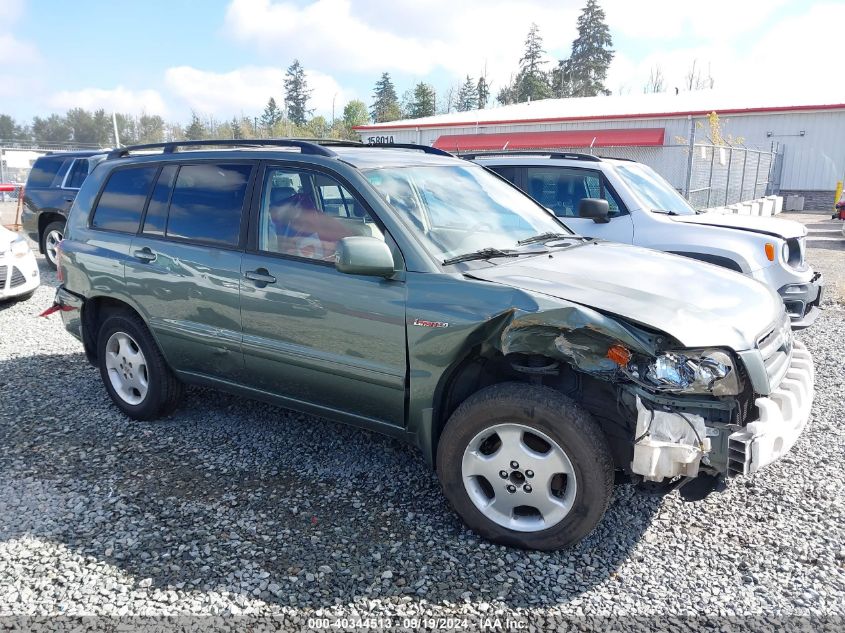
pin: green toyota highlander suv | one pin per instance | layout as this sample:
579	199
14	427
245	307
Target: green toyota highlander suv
415	294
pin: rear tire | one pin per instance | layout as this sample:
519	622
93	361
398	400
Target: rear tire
50	238
133	369
511	435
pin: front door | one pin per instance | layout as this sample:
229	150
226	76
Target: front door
562	188
324	340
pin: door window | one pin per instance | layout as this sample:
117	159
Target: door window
77	174
122	200
305	214
561	189
207	203
155	221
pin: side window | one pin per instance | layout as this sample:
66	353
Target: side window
156	220
77	174
59	178
207	203
122	200
561	189
43	171
305	214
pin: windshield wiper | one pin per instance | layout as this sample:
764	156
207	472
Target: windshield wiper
484	253
665	211
545	237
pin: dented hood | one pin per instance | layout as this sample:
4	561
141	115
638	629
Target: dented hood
775	227
698	304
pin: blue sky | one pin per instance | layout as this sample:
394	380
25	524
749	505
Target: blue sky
226	57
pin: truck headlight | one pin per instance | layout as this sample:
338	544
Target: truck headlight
688	371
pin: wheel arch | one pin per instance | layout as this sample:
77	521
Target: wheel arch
95	310
45	218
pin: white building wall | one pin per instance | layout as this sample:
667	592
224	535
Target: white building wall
814	161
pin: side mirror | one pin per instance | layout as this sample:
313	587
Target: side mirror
594	208
361	255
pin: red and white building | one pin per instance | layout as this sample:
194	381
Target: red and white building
808	131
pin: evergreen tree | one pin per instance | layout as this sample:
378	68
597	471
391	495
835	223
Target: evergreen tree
151	128
468	96
584	73
424	101
235	125
385	102
9	128
482	92
196	129
272	114
53	129
297	93
531	82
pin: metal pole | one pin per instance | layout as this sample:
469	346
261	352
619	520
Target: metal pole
2	172
742	180
728	181
691	156
710	178
757	174
114	123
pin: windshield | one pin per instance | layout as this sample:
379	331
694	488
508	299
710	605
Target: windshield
458	209
658	194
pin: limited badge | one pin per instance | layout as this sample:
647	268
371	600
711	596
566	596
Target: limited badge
424	323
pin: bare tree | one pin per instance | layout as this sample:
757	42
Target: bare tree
655	80
695	80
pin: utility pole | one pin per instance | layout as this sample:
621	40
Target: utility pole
114	123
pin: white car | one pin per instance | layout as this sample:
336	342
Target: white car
645	210
18	269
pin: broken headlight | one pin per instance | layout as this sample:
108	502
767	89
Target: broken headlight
708	371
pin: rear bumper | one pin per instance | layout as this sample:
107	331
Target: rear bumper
803	301
70	307
783	415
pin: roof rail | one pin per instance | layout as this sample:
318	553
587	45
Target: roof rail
306	147
551	154
428	149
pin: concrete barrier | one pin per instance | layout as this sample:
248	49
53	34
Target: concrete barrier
768	206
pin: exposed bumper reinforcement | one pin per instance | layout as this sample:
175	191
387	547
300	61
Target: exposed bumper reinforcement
783	416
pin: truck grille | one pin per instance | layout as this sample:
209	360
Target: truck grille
776	349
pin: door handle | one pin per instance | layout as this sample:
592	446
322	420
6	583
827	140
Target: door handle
145	255
260	276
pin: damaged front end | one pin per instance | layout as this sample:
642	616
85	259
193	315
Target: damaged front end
675	408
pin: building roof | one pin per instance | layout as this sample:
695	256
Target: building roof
660	105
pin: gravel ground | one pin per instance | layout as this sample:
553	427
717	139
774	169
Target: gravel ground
235	507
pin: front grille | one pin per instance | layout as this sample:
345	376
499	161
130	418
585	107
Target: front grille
3	273
776	349
17	278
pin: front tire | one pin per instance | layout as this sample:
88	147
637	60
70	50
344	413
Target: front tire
53	234
133	369
525	466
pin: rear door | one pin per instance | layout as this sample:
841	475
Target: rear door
184	266
320	338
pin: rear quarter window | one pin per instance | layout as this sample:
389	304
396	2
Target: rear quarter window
44	171
122	200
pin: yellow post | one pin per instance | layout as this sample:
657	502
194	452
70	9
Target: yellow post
837	195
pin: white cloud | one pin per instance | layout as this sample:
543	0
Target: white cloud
117	99
400	36
715	20
248	89
796	54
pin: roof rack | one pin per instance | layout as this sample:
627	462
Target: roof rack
428	149
551	154
306	147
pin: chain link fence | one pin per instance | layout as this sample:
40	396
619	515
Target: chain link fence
707	175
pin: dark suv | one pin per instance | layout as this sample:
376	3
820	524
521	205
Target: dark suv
49	192
416	294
